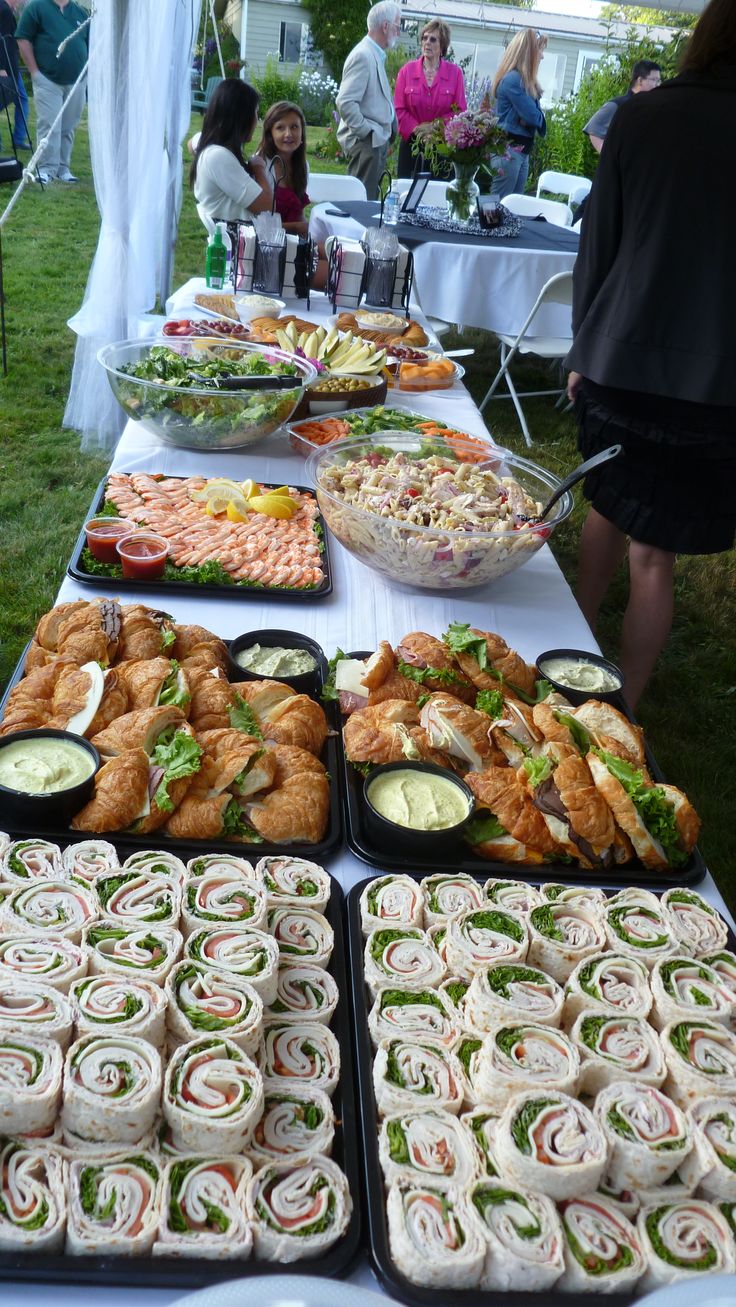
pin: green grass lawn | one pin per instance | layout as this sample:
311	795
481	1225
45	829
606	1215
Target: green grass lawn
689	709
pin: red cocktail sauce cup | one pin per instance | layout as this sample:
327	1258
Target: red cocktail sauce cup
143	556
103	534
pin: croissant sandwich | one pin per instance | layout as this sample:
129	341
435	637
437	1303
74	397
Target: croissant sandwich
659	820
506	825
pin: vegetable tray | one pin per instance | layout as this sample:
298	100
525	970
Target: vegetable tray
193	1273
316	852
371	421
361	844
377	1237
208	579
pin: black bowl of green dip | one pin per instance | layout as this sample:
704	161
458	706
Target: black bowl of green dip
416	807
581	675
274	655
46	777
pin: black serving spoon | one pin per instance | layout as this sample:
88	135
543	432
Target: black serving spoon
576	475
245	383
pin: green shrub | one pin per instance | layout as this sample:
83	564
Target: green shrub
273	85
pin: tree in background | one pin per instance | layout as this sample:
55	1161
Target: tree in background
648	17
566	148
337	25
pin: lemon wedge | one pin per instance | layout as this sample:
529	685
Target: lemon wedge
282	492
215	506
273	505
237	509
249	488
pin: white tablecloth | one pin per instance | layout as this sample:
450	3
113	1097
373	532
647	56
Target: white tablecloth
483	285
533	609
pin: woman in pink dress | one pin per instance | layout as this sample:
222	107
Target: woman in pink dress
427	88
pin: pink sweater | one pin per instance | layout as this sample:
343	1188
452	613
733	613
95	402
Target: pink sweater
417	103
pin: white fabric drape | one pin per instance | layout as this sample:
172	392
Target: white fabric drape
139	69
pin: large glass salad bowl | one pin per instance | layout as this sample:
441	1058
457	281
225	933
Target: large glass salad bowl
205	393
437	514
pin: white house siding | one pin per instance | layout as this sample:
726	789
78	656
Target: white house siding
480	31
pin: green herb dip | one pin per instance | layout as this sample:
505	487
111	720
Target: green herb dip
580	675
44	765
418	800
275	661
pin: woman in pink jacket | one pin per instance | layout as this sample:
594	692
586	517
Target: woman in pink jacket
427	88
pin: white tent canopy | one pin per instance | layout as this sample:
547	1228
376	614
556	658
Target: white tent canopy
139	107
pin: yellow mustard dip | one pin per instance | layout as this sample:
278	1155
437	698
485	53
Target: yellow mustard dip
44	766
418	800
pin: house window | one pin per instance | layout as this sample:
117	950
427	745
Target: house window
587	59
552	76
291	36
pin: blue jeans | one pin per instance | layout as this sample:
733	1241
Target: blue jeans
20	100
509	173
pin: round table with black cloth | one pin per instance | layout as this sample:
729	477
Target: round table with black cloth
536	233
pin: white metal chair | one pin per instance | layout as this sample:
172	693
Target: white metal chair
528	206
335	186
558	290
435	192
564	183
206	220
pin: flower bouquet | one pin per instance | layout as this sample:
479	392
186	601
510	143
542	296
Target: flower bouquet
466	140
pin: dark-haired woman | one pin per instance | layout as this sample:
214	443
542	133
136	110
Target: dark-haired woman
283	149
653	352
225	185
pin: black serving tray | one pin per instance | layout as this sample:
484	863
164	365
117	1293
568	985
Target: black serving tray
196	1272
361	844
379	1249
315	852
77	572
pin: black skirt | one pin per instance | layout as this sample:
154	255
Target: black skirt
671	488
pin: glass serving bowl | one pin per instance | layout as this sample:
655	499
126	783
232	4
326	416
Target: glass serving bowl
199	417
433	557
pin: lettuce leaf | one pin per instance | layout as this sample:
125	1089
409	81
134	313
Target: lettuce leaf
491	702
537	769
445	675
242	718
234	823
170	694
179	756
483	825
330	693
652	805
576	729
460	639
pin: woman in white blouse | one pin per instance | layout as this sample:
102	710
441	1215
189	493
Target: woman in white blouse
226	186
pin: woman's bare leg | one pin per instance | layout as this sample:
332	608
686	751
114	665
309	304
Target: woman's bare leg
648	617
602	549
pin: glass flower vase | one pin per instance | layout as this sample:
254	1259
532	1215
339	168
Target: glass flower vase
463	192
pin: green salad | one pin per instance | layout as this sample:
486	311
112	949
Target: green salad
217	418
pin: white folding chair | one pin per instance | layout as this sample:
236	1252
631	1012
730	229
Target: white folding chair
564	183
435	192
206	220
335	186
528	206
558	290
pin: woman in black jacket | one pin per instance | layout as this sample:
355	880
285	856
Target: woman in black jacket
654	353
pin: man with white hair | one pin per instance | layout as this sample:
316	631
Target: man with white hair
364	102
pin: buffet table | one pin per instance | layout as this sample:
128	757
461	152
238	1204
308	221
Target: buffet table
533	608
478	281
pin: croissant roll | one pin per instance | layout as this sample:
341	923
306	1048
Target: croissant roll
378	666
71	693
380	734
53	960
141	633
91	633
396	686
223	740
515	672
290	760
203	1209
212	698
143	680
298	721
121	790
420	651
28	705
113	1206
298	1120
191	638
30	1082
447	896
298	811
391	901
137	730
264	696
459	730
47	631
500	790
246	770
32	1203
199	819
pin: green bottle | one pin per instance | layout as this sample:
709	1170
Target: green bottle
216	262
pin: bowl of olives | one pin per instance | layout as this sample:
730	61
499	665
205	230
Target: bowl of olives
330	394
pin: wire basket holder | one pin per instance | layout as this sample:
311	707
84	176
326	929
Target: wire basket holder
368	280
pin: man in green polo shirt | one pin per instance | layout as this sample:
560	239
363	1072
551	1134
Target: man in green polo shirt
43	25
